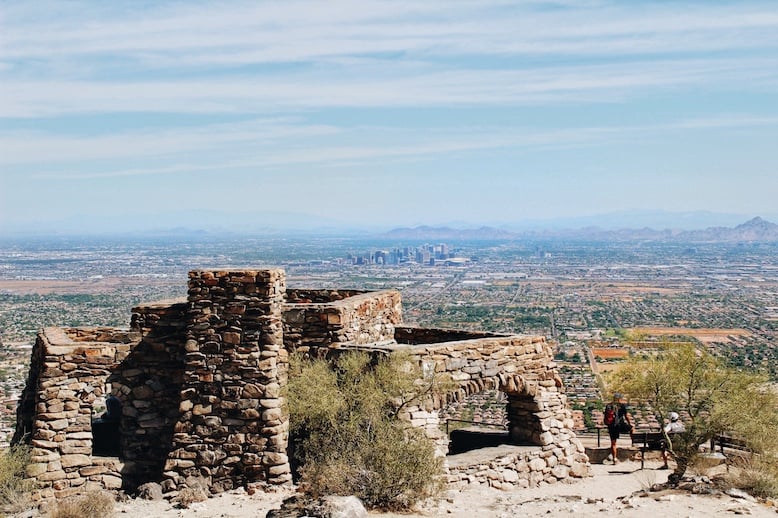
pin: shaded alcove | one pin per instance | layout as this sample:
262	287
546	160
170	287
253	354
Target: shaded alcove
106	420
478	420
148	385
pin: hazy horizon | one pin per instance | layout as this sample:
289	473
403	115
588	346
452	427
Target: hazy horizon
373	114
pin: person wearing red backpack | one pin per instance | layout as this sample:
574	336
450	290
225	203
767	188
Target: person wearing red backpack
618	420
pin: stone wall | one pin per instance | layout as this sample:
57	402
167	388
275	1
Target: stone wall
232	429
520	366
508	467
72	367
201	381
345	318
537	414
148	384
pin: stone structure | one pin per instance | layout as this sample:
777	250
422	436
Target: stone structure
201	388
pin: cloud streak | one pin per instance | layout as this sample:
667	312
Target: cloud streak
256	94
98	94
279	146
210	34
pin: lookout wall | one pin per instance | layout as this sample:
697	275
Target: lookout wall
200	384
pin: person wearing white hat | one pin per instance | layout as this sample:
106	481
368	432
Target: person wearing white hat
674	426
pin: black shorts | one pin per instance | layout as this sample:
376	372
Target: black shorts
615	431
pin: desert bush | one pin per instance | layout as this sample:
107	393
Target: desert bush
94	504
756	474
14	490
346	434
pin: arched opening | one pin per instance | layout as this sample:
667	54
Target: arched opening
478	420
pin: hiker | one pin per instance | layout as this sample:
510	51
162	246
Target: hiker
674	426
618	420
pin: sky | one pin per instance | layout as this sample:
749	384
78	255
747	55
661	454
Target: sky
133	115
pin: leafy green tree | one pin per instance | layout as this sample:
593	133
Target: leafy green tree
347	437
714	398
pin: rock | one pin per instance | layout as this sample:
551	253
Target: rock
739	494
150	491
292	507
537	464
560	471
510	476
111	482
338	507
580	470
73	460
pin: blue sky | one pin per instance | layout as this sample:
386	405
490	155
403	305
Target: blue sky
119	115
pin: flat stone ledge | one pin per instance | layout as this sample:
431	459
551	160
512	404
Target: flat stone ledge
485	455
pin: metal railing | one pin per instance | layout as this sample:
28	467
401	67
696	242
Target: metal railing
493	425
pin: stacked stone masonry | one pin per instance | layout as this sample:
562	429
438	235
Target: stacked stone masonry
511	467
69	369
201	382
328	318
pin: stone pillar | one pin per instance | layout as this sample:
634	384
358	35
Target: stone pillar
540	416
233	427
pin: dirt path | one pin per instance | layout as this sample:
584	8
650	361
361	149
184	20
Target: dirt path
607	493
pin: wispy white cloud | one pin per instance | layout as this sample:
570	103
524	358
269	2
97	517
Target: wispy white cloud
248	57
324	86
19	148
237	147
214	34
247	94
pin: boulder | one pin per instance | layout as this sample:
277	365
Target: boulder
150	491
337	507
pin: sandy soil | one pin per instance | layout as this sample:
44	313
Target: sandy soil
610	492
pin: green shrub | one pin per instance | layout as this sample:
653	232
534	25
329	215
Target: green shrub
346	435
95	504
14	490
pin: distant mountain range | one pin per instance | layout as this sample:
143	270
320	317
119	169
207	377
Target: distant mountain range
753	230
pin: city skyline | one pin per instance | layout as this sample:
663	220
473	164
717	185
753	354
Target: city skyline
118	116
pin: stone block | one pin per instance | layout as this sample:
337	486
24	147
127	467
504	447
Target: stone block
111	482
508	475
59	424
89	471
537	464
560	471
201	409
75	460
580	470
272	414
231	338
275	459
51	476
35	469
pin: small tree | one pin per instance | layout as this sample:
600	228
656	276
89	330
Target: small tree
346	435
715	397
